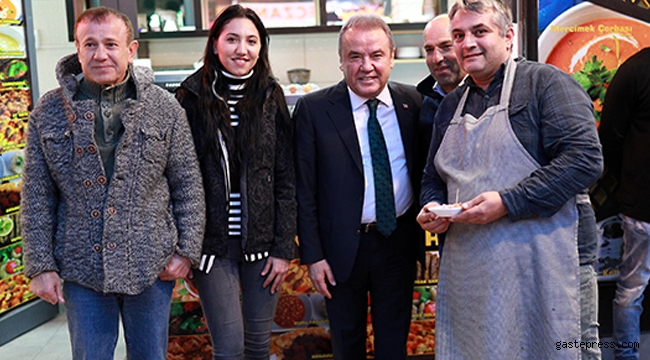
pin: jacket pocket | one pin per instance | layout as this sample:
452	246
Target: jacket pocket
58	147
153	145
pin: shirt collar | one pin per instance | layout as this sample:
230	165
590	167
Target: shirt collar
358	101
498	79
438	89
117	92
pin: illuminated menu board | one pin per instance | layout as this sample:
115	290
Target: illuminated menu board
15	105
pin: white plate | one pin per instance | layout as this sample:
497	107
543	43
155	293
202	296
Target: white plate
444	211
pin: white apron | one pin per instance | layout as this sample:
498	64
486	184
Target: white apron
507	290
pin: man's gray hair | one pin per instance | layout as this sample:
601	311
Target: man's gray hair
502	13
366	22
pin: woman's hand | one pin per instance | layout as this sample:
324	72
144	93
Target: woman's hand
275	271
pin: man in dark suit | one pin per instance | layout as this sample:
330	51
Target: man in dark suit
358	170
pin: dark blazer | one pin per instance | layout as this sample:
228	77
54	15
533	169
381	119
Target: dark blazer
330	173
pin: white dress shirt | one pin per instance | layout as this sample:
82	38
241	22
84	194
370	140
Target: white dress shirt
393	137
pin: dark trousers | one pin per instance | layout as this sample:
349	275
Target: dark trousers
385	269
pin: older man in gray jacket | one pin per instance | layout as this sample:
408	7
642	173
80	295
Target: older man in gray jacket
112	199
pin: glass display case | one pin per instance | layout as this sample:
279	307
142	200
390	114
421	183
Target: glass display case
166	15
172	18
20	310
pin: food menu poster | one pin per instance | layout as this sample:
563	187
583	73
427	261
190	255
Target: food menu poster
590	42
15	105
300	326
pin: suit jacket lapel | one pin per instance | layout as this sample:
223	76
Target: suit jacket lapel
404	108
341	116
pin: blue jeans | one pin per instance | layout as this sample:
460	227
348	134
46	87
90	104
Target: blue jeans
93	320
237	327
589	313
635	273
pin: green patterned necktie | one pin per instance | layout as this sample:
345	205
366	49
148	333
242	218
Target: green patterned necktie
384	198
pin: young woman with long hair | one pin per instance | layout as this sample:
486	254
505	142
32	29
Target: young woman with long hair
243	136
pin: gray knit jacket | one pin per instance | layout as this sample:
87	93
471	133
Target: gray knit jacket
111	236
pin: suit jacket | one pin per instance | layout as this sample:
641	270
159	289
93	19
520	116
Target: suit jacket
330	181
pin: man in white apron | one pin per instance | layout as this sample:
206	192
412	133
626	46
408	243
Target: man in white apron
517	144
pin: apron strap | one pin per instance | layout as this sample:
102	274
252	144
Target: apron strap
461	105
506	88
508	80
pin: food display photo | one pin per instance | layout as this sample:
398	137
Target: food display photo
12	134
302	344
427	273
11	12
11	262
590	43
14	285
299	305
196	347
12	41
424	302
10	197
9	229
14	291
187	319
188	331
421	340
11	165
13	73
422	335
15	103
300	326
297	280
292	311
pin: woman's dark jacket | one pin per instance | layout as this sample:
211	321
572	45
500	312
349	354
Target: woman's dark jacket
267	182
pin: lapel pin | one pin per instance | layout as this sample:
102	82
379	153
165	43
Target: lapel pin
406	106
